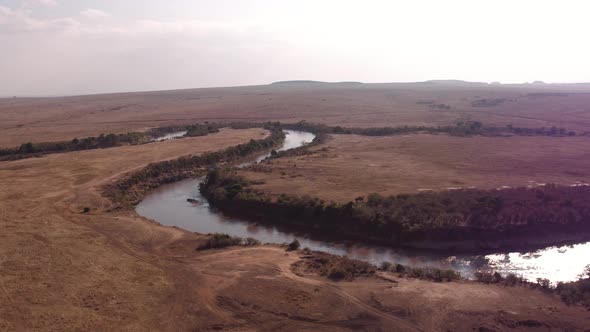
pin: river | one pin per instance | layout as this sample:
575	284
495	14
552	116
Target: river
168	205
170	136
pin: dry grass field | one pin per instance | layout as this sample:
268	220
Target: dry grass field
64	270
348	104
348	166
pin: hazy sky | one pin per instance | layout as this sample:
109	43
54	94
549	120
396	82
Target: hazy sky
50	47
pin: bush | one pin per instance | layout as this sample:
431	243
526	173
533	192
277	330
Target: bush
293	245
250	241
400	268
577	292
385	266
220	240
336	273
201	130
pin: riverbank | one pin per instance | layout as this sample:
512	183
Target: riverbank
129	190
460	220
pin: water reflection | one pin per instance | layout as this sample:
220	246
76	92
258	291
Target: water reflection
555	263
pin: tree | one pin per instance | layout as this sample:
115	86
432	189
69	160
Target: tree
27	148
293	245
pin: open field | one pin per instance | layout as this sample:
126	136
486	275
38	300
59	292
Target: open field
346	104
62	269
348	166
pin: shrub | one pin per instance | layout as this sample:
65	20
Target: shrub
577	292
336	273
293	245
250	241
220	240
385	266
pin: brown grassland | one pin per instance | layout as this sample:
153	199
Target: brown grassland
349	166
65	270
346	104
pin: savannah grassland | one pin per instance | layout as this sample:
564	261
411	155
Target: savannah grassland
349	166
344	104
62	269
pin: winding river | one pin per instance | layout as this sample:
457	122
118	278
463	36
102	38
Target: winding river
168	205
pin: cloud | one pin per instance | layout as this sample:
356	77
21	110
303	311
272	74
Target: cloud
94	13
47	2
17	21
82	55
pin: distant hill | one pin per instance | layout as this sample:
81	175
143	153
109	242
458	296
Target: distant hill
314	82
452	82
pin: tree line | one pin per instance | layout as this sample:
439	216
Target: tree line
482	219
103	141
462	127
129	190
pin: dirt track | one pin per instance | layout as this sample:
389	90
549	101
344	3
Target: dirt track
63	270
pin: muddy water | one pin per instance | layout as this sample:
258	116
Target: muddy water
168	205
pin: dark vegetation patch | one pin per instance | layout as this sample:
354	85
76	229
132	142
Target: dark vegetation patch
343	268
202	130
424	272
29	149
445	218
293	245
433	104
129	190
221	240
332	266
425	102
463	126
572	293
548	94
488	102
440	106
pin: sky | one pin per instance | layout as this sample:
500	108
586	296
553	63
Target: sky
69	47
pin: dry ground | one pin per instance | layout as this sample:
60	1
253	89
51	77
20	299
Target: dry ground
366	105
348	166
61	270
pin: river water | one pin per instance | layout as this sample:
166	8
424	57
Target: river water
168	205
170	136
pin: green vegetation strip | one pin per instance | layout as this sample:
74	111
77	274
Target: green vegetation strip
462	127
131	189
28	150
459	219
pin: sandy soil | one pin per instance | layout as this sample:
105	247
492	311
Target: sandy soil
62	270
367	105
348	166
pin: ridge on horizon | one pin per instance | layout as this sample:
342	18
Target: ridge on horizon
302	82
